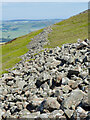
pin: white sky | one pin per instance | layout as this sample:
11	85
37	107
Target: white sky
37	1
44	0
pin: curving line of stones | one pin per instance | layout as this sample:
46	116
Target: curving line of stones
51	84
37	43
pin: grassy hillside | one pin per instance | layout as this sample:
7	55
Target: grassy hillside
68	31
12	51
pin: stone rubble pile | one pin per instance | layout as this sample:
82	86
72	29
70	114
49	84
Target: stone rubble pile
53	84
37	43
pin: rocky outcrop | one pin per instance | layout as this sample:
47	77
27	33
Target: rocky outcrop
50	84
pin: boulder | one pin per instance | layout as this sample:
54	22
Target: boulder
56	114
72	72
69	113
43	116
21	84
31	115
49	104
74	99
1	113
65	81
16	72
45	76
45	87
86	102
10	83
36	101
66	88
13	109
81	45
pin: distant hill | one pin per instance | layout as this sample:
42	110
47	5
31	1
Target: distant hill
29	20
12	29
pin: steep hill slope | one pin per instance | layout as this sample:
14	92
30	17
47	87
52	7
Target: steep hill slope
14	49
68	31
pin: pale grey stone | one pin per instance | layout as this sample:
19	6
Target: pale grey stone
74	99
21	84
49	104
65	81
1	113
65	88
69	112
56	114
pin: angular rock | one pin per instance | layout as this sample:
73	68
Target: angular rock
66	88
76	84
75	98
86	102
13	109
45	76
45	87
6	115
65	81
36	101
81	111
71	83
49	104
72	72
56	114
69	113
16	72
31	115
82	44
21	84
24	112
10	83
19	105
58	92
44	115
1	114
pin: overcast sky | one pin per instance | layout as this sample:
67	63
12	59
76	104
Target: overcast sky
41	10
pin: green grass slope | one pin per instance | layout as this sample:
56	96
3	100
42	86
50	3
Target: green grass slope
68	31
12	51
